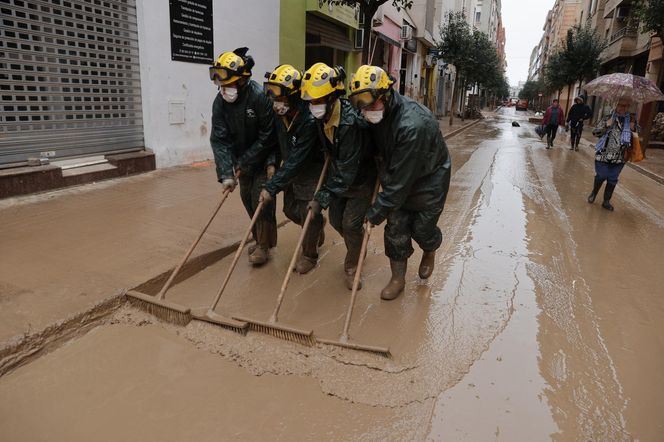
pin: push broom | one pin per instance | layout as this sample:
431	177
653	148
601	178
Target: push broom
209	315
344	339
158	305
272	327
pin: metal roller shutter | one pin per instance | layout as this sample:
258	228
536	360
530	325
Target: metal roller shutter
321	32
69	78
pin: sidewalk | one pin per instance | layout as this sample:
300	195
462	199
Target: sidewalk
652	166
67	250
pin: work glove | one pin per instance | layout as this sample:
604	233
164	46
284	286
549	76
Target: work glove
315	207
265	197
270	171
228	184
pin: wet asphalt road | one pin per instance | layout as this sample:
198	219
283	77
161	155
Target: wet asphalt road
581	356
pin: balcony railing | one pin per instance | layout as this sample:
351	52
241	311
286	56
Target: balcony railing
624	32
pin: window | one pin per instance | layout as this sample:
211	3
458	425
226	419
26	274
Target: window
477	16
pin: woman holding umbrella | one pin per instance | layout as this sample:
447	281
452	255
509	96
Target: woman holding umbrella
616	130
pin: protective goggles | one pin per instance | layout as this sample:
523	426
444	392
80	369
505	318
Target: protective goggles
365	98
222	74
273	90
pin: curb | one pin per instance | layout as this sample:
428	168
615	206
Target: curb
461	129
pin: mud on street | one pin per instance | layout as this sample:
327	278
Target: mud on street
542	321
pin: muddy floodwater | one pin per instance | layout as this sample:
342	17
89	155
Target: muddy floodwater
542	321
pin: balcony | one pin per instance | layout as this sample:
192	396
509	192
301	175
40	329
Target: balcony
622	43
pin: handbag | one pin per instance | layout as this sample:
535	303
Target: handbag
539	130
636	153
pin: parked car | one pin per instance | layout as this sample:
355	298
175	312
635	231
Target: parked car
522	104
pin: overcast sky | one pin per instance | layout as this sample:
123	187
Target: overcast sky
523	21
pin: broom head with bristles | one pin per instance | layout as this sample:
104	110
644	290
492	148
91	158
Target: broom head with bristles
304	337
215	318
160	308
381	351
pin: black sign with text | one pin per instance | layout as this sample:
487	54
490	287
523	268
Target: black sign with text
192	38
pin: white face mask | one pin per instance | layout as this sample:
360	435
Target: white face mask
373	117
229	94
280	108
318	110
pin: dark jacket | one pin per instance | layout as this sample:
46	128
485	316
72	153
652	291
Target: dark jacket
547	117
352	168
300	149
414	164
243	133
579	112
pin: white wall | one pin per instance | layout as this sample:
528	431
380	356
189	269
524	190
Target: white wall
255	24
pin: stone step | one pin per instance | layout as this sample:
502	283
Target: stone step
89	169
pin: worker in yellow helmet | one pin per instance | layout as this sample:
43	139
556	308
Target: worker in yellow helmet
302	156
244	142
414	172
350	181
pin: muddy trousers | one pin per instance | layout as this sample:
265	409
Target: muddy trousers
265	229
404	226
551	131
576	129
347	218
296	210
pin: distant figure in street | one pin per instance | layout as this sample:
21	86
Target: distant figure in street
615	132
577	113
553	117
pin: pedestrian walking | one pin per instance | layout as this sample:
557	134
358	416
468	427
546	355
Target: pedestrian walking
244	142
554	117
350	181
615	132
414	169
577	113
302	155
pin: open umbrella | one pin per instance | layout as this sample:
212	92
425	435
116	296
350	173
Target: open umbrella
615	86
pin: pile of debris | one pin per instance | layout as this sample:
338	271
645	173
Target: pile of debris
657	131
473	113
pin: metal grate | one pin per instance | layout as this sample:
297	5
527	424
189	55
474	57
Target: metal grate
69	78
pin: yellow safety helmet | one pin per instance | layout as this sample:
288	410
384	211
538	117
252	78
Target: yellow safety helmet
284	81
368	84
320	80
231	66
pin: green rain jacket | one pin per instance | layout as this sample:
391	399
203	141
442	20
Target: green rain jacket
352	168
413	161
243	133
301	151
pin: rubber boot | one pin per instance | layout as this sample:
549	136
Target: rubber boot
305	264
548	141
608	193
259	256
397	283
427	264
266	237
572	142
309	256
596	186
350	264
